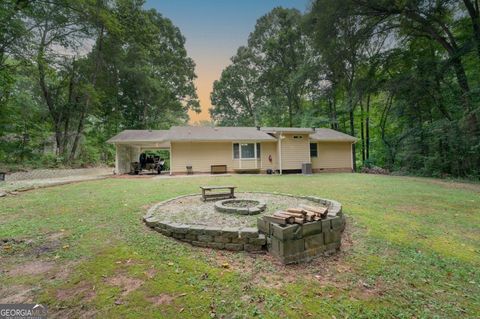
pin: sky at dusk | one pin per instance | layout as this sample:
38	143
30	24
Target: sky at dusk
214	29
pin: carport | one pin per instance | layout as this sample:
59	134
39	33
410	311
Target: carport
130	144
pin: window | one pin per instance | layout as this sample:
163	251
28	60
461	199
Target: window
297	136
246	150
313	150
236	151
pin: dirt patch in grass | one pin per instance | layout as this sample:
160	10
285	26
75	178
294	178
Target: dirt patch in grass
32	246
16	294
84	290
36	267
162	299
125	283
80	312
150	273
448	184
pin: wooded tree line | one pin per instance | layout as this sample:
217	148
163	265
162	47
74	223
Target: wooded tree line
403	77
75	72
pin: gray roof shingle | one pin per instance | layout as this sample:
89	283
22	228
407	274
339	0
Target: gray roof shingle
329	135
200	133
140	136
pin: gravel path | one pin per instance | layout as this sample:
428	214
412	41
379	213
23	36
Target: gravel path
57	173
192	210
46	178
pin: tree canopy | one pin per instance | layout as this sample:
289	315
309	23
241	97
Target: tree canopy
403	77
81	71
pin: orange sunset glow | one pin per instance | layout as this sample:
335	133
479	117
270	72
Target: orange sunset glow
213	32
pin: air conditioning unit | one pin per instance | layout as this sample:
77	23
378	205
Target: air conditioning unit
307	168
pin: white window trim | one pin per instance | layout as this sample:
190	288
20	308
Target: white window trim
310	152
240	158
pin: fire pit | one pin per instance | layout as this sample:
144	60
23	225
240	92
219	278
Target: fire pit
240	206
292	228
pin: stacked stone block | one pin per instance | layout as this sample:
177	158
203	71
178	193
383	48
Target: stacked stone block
291	243
300	243
229	238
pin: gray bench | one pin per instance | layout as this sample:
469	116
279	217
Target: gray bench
222	195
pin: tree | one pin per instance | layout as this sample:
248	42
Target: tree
271	77
237	96
341	36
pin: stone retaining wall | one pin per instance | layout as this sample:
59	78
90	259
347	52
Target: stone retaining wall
229	238
221	207
290	244
300	243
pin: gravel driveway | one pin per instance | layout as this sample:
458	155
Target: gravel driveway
22	181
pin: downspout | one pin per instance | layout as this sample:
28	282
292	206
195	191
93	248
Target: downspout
351	157
240	155
171	160
117	158
280	152
256	159
261	163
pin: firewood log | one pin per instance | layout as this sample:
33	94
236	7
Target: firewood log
310	216
288	218
296	210
299	221
318	210
297	215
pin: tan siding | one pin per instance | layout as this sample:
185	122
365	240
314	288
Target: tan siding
266	150
200	155
295	152
246	164
333	155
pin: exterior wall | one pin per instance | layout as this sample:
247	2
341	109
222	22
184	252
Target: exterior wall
333	156
294	151
266	150
200	155
122	159
247	164
125	154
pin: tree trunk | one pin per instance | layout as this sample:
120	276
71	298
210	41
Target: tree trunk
81	120
362	132
352	132
474	13
463	82
56	118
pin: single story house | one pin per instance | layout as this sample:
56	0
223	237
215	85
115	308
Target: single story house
240	149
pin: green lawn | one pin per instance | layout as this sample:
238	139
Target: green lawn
411	250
